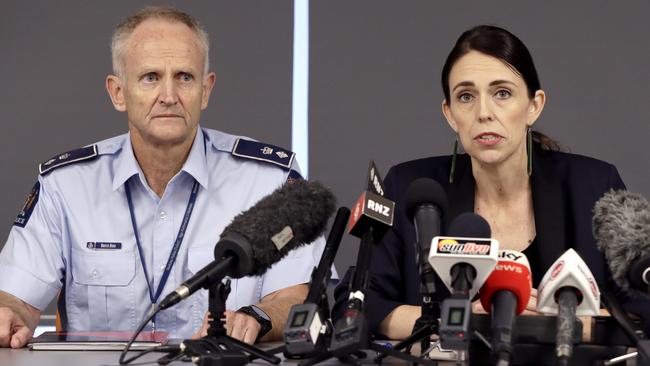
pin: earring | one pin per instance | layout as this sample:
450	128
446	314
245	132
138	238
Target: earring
453	161
529	150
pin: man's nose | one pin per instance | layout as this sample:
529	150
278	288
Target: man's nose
168	94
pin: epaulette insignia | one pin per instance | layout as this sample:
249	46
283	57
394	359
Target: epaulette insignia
263	152
85	153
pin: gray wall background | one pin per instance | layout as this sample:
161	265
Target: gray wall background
374	81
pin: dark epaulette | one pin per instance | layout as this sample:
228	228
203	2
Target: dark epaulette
263	152
70	157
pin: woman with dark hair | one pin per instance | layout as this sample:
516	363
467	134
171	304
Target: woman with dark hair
536	199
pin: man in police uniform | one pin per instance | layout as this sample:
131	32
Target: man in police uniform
113	226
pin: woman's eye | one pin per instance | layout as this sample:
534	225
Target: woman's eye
503	94
465	97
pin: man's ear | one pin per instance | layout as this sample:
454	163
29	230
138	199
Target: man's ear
116	92
208	84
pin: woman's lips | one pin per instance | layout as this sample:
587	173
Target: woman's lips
488	139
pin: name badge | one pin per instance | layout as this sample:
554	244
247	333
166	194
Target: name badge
102	245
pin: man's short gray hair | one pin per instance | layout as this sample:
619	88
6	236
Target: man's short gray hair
126	27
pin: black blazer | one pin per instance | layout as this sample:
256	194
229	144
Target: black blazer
565	188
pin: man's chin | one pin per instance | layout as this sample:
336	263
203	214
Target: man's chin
170	137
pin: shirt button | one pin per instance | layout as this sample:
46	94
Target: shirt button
162	267
94	273
163	215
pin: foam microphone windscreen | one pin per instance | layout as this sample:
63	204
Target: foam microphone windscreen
469	225
512	273
293	215
424	191
621	225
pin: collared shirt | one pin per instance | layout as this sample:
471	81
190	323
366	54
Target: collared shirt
79	241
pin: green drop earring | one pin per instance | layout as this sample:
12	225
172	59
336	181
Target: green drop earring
453	161
529	150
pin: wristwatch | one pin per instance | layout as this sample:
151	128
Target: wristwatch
261	317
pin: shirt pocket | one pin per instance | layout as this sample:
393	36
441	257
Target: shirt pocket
105	280
197	258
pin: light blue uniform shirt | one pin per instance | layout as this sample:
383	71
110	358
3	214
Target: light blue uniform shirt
105	289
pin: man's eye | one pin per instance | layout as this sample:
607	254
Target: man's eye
150	77
186	77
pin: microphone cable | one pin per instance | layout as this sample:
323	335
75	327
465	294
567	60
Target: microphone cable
163	348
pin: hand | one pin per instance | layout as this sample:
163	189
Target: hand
531	307
242	326
477	308
238	325
14	332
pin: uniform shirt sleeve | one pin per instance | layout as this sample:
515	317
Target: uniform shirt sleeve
31	261
294	269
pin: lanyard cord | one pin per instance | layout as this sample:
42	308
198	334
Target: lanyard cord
177	244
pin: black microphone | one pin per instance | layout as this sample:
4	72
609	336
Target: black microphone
308	321
621	225
293	215
426	202
371	217
323	272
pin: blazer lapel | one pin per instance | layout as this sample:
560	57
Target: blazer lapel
461	192
549	203
549	206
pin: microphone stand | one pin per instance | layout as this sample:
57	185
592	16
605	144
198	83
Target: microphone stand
637	336
321	306
426	227
351	335
218	348
425	326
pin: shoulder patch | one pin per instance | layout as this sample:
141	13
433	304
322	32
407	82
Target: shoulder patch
73	156
294	176
263	152
28	207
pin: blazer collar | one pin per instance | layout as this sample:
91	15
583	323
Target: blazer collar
548	203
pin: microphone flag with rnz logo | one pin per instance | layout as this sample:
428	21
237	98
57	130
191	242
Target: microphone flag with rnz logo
480	253
569	271
375	183
372	208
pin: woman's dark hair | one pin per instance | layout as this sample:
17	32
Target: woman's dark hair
505	46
